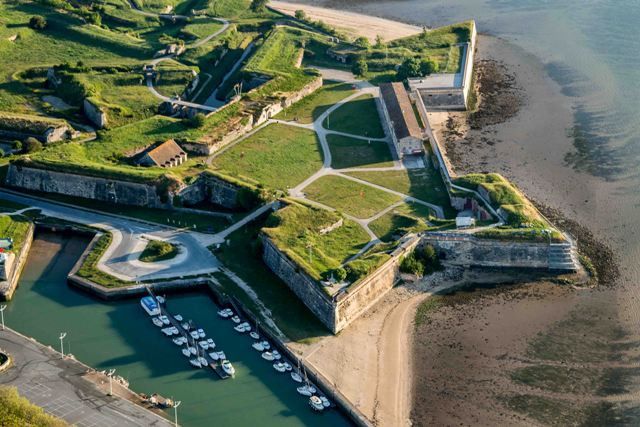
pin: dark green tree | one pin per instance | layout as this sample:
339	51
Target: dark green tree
360	67
428	66
409	68
259	5
32	145
38	22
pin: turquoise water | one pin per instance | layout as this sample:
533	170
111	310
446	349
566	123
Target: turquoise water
120	335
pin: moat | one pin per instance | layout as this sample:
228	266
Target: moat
119	335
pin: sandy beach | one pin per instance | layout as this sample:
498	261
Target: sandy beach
351	23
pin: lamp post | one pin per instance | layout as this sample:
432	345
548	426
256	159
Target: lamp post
62	335
2	307
175	411
110	375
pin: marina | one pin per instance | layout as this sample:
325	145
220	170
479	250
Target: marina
120	335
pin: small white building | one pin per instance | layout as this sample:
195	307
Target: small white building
465	219
6	265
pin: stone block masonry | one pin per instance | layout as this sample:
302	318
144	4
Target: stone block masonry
8	287
348	305
88	187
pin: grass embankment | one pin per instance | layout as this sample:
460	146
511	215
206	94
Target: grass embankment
423	184
157	250
296	231
14	227
406	218
524	222
89	268
173	78
15	410
350	197
244	257
277	156
358	116
311	107
349	152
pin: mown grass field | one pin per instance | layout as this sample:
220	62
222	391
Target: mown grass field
295	230
358	116
310	108
406	218
423	184
356	153
353	198
173	78
277	156
15	227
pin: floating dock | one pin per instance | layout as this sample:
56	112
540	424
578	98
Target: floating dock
217	367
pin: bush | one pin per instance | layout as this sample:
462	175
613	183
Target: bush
409	68
360	67
32	145
428	66
197	121
412	265
259	5
301	15
340	274
15	410
362	42
17	145
38	22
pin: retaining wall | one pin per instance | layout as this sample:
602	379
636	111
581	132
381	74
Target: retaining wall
88	187
468	251
94	113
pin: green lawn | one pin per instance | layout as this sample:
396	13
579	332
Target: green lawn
202	27
423	184
89	268
311	107
296	231
244	257
277	156
158	250
406	218
173	78
358	116
349	152
350	197
15	227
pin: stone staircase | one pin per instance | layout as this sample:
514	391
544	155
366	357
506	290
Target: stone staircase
563	256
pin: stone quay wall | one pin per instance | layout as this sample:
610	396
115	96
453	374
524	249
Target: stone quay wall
468	251
88	187
8	287
345	307
211	189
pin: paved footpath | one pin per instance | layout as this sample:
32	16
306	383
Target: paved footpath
58	386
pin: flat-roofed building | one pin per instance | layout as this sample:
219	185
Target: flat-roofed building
398	110
448	91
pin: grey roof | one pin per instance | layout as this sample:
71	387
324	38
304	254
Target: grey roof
400	111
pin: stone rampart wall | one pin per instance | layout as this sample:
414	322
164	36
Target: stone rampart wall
88	187
94	113
472	252
8	287
307	289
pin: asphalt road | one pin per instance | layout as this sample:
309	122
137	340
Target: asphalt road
130	238
58	386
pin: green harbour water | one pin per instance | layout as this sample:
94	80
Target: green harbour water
120	335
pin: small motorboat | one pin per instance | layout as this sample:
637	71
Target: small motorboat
258	346
240	328
193	350
325	401
266	345
247	326
157	322
287	367
165	320
167	331
316	403
186	326
276	355
150	306
225	313
179	341
267	356
221	355
228	368
214	355
203	345
194	335
203	361
235	319
178	317
279	366
296	376
195	363
306	390
186	352
254	335
211	343
161	300
175	330
201	333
